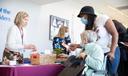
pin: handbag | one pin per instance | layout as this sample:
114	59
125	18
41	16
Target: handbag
73	67
11	55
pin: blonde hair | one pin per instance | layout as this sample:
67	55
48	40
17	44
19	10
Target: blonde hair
66	28
20	15
61	31
89	35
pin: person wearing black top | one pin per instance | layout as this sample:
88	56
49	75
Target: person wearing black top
123	37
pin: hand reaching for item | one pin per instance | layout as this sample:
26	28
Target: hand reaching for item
82	55
72	47
30	46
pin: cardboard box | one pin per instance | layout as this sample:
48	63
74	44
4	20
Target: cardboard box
47	58
35	58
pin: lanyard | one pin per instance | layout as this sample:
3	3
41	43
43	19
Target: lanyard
22	34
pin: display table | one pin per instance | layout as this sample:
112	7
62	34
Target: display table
31	70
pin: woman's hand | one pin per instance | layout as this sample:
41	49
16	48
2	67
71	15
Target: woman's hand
63	55
30	46
73	47
82	55
111	55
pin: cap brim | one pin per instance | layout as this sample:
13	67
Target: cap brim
85	13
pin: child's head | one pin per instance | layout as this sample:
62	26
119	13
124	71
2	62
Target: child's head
88	36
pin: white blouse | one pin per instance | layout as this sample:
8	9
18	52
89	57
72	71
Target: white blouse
104	37
14	39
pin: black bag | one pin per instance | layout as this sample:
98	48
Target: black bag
73	67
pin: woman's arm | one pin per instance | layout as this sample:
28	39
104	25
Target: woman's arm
74	46
112	30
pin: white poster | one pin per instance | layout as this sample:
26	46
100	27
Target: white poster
5	20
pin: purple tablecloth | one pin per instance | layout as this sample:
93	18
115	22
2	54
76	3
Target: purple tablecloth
31	70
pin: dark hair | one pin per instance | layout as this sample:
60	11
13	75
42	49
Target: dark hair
122	30
120	27
90	23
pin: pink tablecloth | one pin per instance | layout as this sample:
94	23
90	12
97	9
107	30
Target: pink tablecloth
31	70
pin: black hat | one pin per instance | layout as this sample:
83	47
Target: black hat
87	10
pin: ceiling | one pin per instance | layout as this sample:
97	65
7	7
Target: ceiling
121	5
43	2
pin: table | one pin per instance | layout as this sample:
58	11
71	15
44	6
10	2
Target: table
31	70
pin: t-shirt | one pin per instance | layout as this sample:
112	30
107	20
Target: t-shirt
14	40
104	38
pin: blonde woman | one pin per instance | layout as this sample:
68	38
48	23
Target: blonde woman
59	40
16	38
